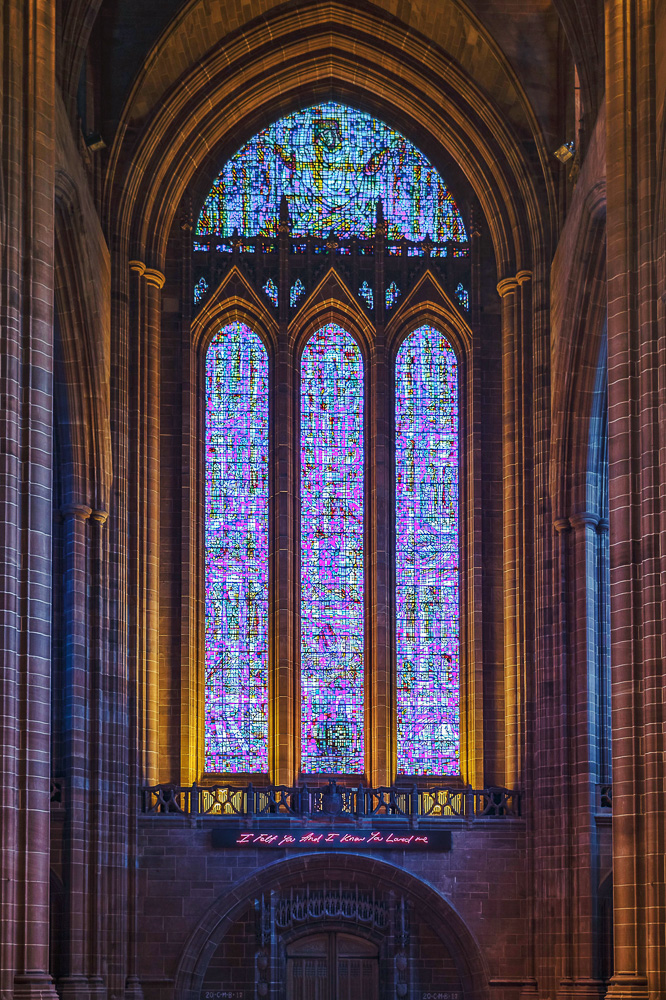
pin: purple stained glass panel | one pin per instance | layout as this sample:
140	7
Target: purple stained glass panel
427	555
332	582
236	536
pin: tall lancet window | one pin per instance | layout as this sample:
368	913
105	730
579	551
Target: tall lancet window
327	167
236	533
427	555
332	584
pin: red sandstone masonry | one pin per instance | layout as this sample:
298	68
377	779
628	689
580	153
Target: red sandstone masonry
26	347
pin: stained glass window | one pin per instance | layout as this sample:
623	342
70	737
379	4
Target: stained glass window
296	292
366	293
332	583
392	295
271	290
333	163
200	290
427	552
462	296
236	536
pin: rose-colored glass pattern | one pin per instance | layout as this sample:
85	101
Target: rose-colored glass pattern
427	555
236	536
332	582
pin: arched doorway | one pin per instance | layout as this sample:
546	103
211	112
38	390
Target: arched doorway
422	944
332	965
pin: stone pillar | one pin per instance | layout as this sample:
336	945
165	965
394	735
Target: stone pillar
472	667
143	564
27	166
100	734
77	748
578	753
144	486
637	483
516	372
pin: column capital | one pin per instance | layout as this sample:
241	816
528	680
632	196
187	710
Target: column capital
154	277
151	274
584	518
78	510
509	284
99	516
562	524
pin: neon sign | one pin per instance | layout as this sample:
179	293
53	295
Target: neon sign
329	839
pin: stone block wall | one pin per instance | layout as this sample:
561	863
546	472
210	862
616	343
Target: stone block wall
183	880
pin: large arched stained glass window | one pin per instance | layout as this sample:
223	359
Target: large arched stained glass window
427	555
236	532
332	583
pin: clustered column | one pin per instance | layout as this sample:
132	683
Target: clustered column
86	735
576	740
637	485
144	516
27	166
516	362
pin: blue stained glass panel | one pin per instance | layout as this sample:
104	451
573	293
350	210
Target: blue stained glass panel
427	555
332	567
462	295
366	293
296	292
332	163
271	290
392	295
236	537
200	290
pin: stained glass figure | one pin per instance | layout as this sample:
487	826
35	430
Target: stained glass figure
296	292
366	293
427	555
333	163
236	537
332	580
392	295
271	290
462	295
200	290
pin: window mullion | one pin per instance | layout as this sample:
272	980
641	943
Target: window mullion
380	688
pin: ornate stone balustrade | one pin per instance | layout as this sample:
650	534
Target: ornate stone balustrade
326	802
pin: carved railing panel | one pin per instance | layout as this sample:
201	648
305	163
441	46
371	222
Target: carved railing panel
333	800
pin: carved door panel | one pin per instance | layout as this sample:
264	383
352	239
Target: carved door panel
332	966
309	968
357	968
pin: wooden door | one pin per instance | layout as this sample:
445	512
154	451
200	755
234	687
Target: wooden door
309	968
332	966
357	968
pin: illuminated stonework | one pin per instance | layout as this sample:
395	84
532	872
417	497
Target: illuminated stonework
332	584
427	555
236	533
